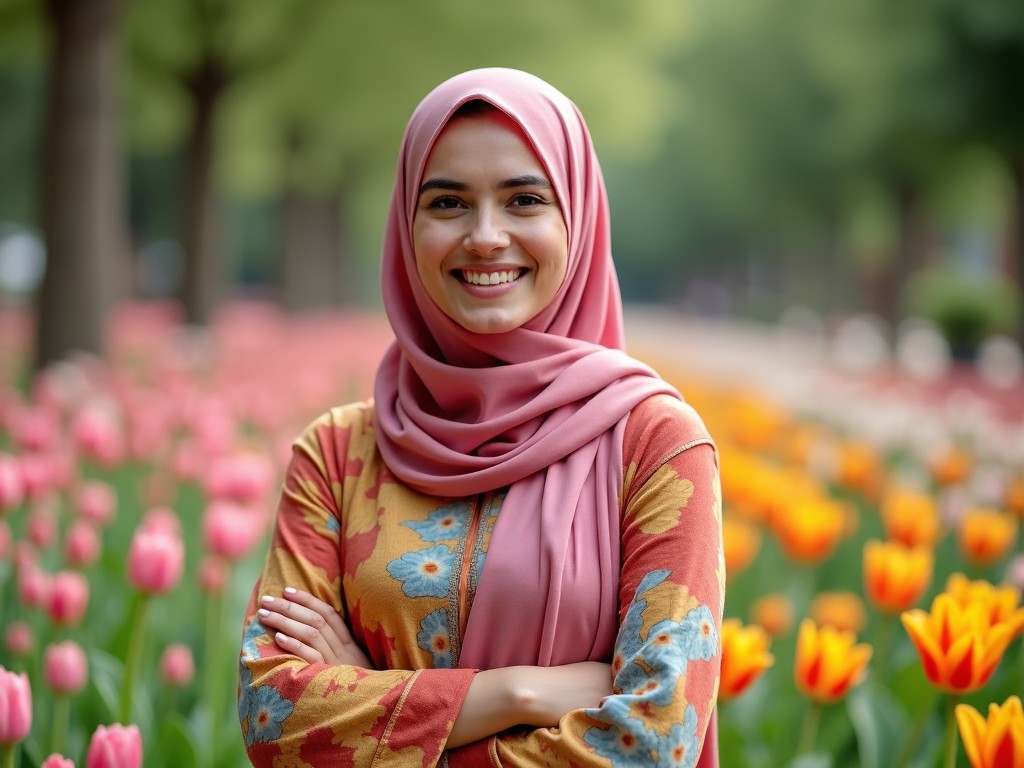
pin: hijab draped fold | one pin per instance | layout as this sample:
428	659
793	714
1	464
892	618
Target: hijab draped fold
540	409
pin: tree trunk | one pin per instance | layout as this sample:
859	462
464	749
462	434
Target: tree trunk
203	281
1015	246
909	255
82	184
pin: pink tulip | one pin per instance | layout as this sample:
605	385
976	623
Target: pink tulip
18	638
176	665
230	530
66	667
12	484
69	597
115	746
34	428
37	476
96	501
42	524
156	559
82	545
96	434
34	586
15	707
57	761
213	575
161	519
240	477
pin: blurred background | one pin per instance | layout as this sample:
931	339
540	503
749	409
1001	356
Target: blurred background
839	158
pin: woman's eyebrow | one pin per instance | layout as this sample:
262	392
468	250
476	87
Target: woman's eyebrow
440	183
529	180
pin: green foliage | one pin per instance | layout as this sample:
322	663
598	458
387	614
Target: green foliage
966	306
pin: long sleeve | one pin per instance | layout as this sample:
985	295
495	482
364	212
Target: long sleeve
298	714
667	654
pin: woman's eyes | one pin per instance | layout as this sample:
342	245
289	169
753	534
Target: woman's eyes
519	200
445	203
525	199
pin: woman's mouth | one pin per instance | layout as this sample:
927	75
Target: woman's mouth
499	277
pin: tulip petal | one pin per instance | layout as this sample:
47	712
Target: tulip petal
972	731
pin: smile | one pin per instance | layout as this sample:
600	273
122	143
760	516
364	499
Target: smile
491	278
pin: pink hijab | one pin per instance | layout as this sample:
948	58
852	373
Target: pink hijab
541	408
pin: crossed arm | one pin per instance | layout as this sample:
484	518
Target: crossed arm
497	698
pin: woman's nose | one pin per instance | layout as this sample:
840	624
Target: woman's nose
487	233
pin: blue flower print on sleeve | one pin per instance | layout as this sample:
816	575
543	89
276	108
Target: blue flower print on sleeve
443	524
249	650
623	746
425	573
263	710
435	637
679	748
700	634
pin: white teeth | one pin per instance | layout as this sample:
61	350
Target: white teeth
492	278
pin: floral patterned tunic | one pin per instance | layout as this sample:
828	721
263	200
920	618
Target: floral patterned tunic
402	568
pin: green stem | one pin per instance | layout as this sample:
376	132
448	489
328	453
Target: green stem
914	737
809	730
951	733
133	661
9	755
211	669
880	657
61	716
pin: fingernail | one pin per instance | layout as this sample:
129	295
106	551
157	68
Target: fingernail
289	590
266	599
263	612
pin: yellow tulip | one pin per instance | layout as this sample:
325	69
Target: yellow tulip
996	741
842	610
986	535
745	657
741	542
773	613
910	516
828	662
810	526
1000	604
895	576
958	646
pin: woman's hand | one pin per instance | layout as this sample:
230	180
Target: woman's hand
311	629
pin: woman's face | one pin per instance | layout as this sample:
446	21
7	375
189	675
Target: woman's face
490	240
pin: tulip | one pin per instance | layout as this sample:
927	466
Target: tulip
996	741
950	467
66	667
741	542
774	613
842	610
176	664
1015	496
57	761
82	544
999	604
68	598
230	531
859	468
18	638
910	517
42	525
12	485
809	527
213	574
959	647
15	707
34	585
986	535
96	501
895	576
156	559
745	657
96	434
829	662
240	477
115	746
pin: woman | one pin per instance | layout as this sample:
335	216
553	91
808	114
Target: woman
512	554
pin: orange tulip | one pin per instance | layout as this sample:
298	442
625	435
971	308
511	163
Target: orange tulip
773	613
842	610
958	646
745	657
995	742
741	541
859	468
829	662
1000	604
950	467
895	576
986	535
810	526
911	517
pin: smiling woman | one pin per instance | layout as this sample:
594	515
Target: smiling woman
489	236
512	555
